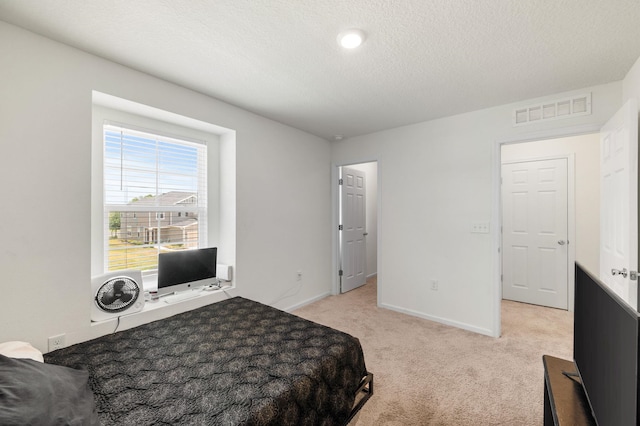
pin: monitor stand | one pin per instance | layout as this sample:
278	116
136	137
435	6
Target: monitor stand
179	297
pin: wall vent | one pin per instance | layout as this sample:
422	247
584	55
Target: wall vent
553	110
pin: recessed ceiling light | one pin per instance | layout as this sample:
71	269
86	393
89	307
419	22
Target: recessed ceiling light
338	137
351	39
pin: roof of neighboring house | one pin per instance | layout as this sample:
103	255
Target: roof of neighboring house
183	223
167	199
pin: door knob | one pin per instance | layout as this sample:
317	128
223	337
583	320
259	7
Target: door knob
561	242
619	272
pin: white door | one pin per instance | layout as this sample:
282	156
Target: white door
353	233
534	232
619	202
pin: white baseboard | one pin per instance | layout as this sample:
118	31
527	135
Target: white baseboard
306	302
440	320
372	275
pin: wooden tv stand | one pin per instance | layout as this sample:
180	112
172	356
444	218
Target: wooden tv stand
565	403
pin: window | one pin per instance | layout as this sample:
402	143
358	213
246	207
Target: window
145	176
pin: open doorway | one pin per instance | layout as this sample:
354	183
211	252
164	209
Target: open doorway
357	216
550	192
616	262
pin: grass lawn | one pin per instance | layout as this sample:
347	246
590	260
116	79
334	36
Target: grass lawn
123	255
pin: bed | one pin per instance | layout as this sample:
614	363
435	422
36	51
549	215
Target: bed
235	362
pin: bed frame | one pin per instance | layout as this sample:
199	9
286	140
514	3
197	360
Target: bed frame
364	392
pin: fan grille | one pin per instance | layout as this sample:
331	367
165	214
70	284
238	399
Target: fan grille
117	294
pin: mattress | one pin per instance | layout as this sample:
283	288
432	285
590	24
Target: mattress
235	362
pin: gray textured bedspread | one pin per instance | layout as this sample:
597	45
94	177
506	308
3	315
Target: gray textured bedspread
236	362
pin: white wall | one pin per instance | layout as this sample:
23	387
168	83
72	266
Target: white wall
586	149
631	83
371	214
281	221
435	179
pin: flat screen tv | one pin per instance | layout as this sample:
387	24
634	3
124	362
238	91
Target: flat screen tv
186	269
605	351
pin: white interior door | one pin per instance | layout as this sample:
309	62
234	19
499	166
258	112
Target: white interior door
353	233
534	233
619	202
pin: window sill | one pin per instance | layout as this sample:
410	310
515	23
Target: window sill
158	309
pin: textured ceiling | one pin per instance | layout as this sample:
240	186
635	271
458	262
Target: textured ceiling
422	59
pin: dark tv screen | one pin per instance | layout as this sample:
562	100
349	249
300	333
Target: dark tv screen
605	351
186	266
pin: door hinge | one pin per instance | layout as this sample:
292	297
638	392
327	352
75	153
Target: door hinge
340	227
340	181
340	272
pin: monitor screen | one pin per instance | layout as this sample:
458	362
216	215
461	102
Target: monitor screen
184	269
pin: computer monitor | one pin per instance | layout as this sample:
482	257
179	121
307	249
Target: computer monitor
186	269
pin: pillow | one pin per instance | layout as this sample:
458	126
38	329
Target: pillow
34	393
20	350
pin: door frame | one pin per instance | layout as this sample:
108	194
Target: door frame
571	215
496	210
335	241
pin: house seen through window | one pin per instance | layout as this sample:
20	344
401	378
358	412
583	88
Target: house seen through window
155	197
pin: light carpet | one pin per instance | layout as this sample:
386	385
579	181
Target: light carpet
426	373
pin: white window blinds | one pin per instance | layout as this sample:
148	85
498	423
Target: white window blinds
155	196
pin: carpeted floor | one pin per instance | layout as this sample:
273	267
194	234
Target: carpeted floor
426	373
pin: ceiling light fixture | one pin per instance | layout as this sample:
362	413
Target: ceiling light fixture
351	39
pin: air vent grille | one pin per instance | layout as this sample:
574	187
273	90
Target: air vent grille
553	110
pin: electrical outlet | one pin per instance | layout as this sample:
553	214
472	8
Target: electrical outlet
434	285
56	342
299	276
